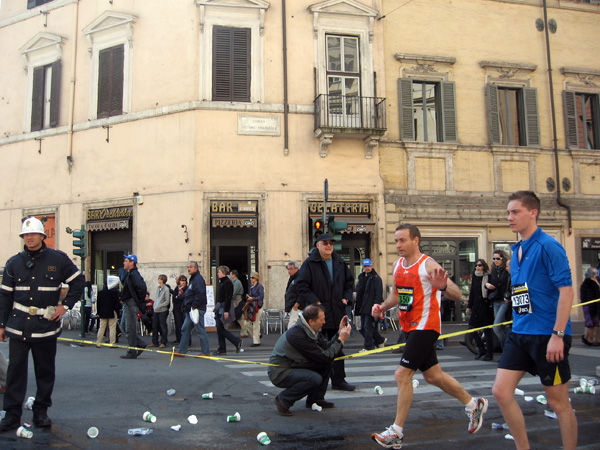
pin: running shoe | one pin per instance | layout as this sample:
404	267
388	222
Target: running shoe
388	439
476	416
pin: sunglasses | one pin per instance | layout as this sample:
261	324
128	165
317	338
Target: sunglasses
253	278
478	265
496	259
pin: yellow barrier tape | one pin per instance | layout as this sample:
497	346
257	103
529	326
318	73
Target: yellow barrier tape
242	361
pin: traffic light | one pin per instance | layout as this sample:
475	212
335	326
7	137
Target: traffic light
317	229
80	242
335	228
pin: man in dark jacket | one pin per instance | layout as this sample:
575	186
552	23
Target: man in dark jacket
30	314
222	312
369	291
195	298
108	306
292	306
326	279
133	295
303	358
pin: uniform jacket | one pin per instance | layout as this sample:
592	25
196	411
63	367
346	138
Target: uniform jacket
33	279
314	285
301	347
369	291
195	294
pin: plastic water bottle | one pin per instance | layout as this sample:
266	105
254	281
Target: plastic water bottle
499	426
139	431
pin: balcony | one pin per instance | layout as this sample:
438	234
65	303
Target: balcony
349	117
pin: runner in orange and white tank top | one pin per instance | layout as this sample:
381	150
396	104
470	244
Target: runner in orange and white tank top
419	306
417	278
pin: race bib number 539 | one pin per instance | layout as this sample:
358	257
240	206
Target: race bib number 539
521	302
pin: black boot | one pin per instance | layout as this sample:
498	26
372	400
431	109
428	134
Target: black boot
40	418
10	422
480	354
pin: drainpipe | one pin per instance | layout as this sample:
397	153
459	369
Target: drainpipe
552	107
72	91
286	149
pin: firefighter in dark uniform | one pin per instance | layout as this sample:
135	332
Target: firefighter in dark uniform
30	315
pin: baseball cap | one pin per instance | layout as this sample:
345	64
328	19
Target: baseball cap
324	237
367	262
131	257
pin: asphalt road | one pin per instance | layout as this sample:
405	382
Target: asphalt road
96	388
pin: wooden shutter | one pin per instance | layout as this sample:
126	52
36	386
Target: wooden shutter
405	109
55	93
110	81
493	114
116	85
570	111
37	99
448	103
231	64
532	121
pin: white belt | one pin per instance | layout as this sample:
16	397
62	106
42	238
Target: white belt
31	310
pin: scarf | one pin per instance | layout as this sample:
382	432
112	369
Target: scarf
484	291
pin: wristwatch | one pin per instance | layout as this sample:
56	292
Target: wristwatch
560	334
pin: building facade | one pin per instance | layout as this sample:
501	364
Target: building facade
189	131
471	119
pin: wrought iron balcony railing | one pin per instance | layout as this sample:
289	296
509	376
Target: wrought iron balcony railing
350	114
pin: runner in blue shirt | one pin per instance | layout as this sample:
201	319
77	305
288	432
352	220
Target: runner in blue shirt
542	295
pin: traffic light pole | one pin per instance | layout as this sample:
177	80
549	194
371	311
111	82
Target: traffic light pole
80	244
325	196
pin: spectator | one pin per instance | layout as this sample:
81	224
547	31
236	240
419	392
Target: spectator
369	291
222	312
481	311
162	303
254	304
108	306
590	290
292	305
178	315
498	286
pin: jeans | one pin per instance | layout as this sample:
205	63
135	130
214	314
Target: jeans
500	309
223	333
186	332
130	313
178	316
369	330
301	382
159	325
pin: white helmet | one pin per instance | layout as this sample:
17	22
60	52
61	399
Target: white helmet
32	225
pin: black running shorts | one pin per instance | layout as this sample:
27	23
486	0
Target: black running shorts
527	352
419	351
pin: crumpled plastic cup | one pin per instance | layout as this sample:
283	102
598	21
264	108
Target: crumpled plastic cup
176	427
263	438
92	432
193	419
316	407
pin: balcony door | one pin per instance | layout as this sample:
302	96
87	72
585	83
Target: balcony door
343	81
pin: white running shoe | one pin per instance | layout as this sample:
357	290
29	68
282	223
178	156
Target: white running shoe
476	416
388	439
383	343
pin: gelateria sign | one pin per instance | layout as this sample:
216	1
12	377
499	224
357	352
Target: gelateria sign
116	218
340	208
234	214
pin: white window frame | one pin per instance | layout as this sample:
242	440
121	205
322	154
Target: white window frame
237	14
109	30
41	50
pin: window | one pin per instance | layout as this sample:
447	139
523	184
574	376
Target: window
33	3
231	64
110	82
343	80
45	96
513	116
582	120
427	111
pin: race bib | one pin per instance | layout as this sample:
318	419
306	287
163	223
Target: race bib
406	296
521	302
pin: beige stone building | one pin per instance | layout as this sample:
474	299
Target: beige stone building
470	120
186	130
204	130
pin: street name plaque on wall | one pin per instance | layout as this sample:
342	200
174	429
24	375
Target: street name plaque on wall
259	125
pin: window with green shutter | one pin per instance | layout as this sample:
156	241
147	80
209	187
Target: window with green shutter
427	110
33	3
231	64
110	81
582	120
513	117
